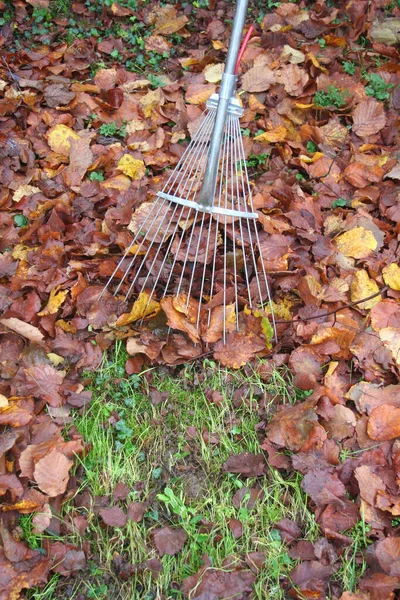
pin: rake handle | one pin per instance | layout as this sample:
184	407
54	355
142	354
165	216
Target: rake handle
228	83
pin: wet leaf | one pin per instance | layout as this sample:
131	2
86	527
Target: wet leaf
169	540
143	307
113	516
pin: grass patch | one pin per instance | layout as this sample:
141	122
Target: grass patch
147	447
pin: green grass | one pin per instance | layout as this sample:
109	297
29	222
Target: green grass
182	479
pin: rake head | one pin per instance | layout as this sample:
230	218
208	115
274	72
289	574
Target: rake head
183	248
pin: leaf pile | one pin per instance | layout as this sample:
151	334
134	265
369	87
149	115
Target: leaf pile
83	148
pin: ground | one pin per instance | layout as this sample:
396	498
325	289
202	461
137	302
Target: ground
140	457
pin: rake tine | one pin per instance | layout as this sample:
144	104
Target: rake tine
194	166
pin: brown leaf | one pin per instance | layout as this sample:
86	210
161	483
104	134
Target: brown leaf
238	350
57	94
182	315
25	329
218	584
289	529
369	483
169	540
41	520
52	473
14	415
384	423
136	511
44	381
199	93
324	487
368	118
113	516
247	497
80	159
292	426
388	554
245	463
258	79
236	527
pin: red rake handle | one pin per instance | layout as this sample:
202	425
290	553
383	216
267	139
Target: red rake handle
243	48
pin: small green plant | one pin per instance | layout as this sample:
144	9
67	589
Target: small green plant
112	129
254	161
311	147
155	81
21	221
349	67
322	43
41	14
377	86
96	176
339	202
332	97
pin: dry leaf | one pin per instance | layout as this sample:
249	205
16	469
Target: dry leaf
363	286
384	423
391	276
52	473
59	139
357	242
56	299
143	307
368	118
132	167
258	79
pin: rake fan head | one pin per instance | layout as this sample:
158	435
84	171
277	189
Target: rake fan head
184	249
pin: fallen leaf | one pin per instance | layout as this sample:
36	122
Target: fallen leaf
258	79
59	139
391	276
169	540
245	463
52	473
143	307
25	329
54	302
361	287
132	167
384	423
388	554
368	118
357	242
391	339
113	516
213	73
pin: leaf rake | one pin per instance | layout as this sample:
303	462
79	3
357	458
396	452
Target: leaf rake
199	237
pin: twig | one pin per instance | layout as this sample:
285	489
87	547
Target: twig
333	312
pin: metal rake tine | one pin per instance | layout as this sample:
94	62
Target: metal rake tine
127	252
197	142
237	162
232	138
222	159
258	245
194	166
206	126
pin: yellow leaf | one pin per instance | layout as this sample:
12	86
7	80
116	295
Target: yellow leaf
132	167
20	252
3	401
278	134
55	300
315	62
213	73
390	337
217	44
311	159
357	242
391	276
303	106
363	286
24	190
59	139
55	358
143	307
121	183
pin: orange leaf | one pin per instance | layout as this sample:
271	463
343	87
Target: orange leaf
368	118
384	423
